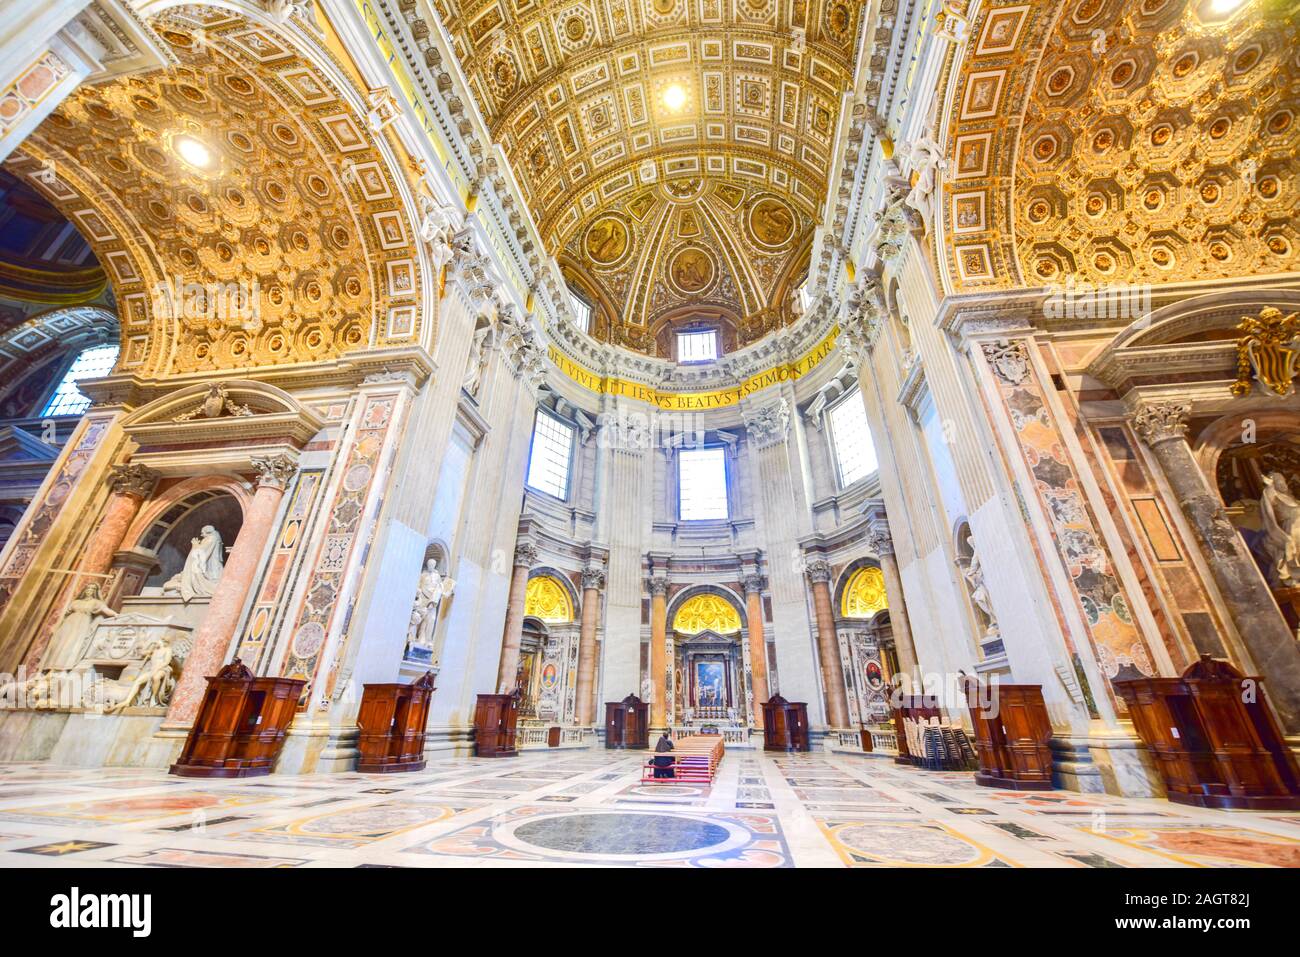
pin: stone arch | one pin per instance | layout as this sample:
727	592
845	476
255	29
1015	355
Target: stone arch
288	126
29	349
553	575
695	591
848	577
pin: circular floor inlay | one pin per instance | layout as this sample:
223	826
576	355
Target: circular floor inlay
621	834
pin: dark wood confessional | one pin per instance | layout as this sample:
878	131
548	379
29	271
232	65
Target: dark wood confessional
627	723
495	719
1012	736
785	725
1214	738
241	725
392	719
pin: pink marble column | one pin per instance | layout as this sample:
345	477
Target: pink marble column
828	643
757	645
131	485
213	636
513	633
658	654
593	580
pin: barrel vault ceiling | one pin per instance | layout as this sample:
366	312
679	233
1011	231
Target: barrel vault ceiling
674	153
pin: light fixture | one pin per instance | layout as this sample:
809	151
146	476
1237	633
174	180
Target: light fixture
192	151
674	97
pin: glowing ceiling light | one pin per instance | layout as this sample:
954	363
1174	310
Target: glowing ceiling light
193	152
675	97
1224	6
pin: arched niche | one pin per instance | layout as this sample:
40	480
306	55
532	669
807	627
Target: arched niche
708	624
171	536
550	597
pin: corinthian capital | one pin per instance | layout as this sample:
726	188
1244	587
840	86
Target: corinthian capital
131	479
593	577
1157	422
879	542
659	586
818	570
275	471
769	424
752	584
525	555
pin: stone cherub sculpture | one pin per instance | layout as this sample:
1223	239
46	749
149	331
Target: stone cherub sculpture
1279	512
203	567
70	638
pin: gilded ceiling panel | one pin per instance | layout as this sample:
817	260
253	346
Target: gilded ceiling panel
673	152
238	200
1156	141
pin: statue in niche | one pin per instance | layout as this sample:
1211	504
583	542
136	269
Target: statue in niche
74	631
979	594
203	568
1280	513
477	361
430	592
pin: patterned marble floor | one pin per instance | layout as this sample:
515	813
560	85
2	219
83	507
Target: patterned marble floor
583	808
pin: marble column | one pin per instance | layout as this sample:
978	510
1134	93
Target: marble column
757	644
131	485
593	580
658	653
513	633
899	623
818	571
1163	427
213	636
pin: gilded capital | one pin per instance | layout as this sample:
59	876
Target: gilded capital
275	471
132	479
1157	422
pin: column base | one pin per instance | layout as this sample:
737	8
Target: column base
1106	762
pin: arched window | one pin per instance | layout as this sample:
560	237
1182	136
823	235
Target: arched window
92	363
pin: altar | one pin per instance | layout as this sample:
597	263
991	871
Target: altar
707	680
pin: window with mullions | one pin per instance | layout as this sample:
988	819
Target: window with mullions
91	364
698	346
581	312
855	455
551	456
702	484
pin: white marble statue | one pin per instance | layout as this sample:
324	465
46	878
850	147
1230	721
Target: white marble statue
430	592
1280	513
74	631
203	567
979	594
153	683
925	158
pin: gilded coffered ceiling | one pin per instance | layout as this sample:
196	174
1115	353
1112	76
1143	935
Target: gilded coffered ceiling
674	153
237	199
1156	141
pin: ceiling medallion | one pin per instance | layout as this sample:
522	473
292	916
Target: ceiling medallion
607	243
692	270
771	223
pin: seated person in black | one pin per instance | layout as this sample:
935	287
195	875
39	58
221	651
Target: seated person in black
663	764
